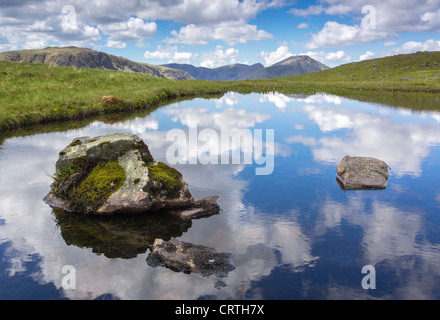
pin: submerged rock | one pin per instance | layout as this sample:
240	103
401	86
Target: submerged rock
360	173
115	173
190	258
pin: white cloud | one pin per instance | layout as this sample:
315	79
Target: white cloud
273	57
303	25
116	44
219	57
161	53
191	35
432	20
201	12
391	16
86	21
182	57
229	32
171	54
132	29
333	57
367	55
390	44
414	46
30	26
338	35
310	11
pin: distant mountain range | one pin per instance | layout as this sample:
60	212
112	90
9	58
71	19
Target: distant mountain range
291	66
87	58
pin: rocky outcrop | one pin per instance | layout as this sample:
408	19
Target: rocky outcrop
87	58
116	173
360	173
190	258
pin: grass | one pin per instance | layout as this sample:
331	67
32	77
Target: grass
35	94
418	72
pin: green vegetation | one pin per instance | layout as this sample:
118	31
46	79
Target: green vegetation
167	178
68	178
98	186
87	184
35	93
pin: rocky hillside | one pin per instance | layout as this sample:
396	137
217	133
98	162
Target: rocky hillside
87	58
292	66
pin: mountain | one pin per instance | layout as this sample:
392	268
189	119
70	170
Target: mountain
292	66
87	58
229	72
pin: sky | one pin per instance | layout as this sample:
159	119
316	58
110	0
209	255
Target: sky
219	32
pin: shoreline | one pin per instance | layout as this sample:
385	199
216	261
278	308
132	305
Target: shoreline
37	94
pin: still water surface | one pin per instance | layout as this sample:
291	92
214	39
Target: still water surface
294	234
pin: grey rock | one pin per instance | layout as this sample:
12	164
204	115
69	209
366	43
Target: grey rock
361	173
190	258
200	209
141	191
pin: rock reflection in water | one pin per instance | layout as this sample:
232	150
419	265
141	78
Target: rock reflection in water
119	237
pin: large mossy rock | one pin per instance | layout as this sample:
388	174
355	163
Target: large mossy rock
362	173
115	173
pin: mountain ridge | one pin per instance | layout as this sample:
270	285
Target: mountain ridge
292	66
232	72
88	58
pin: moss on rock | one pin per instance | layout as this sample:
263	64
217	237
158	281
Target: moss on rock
165	179
97	187
66	179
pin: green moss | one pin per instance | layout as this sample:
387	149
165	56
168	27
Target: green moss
103	143
68	178
75	143
168	180
97	187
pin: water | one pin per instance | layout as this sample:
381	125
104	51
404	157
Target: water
294	233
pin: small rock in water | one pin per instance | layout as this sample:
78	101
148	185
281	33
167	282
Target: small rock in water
190	258
362	173
201	208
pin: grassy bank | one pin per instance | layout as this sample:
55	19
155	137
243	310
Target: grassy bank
35	93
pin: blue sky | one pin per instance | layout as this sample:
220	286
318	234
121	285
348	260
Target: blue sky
219	32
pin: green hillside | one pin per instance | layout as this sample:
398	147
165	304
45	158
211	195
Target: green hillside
414	72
